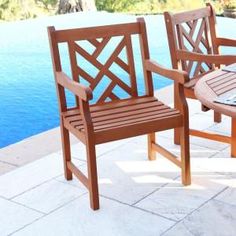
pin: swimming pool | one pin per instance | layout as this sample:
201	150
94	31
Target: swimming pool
28	99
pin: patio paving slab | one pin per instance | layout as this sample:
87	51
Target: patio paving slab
14	216
49	196
125	174
78	150
113	218
175	201
29	176
137	196
6	167
212	219
229	195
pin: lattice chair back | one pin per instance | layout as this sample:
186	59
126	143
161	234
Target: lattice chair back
192	31
103	59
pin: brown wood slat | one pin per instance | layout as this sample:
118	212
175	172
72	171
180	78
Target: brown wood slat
192	25
116	133
96	32
112	96
78	174
94	42
130	58
226	88
167	154
142	120
100	46
190	15
133	107
85	75
219	77
106	93
114	105
134	118
122	64
222	81
104	69
123	111
123	117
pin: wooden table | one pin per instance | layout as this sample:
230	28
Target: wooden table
208	88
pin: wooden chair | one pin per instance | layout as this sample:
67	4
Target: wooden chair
194	48
108	117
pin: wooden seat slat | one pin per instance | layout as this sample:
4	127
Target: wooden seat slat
126	103
140	108
112	116
136	129
124	117
129	120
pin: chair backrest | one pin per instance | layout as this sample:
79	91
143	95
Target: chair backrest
192	31
102	57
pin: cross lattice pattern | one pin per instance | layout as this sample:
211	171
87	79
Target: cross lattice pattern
104	69
194	36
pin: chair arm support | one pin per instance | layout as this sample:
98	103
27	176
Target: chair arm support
83	92
215	59
176	75
226	42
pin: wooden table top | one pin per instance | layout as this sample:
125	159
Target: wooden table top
215	84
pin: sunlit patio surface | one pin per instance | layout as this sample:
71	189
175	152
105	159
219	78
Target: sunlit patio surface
137	196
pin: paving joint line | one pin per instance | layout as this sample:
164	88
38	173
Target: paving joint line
135	207
190	213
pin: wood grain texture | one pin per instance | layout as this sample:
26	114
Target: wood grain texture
195	48
112	117
207	89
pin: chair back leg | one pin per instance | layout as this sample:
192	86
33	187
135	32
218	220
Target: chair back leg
151	151
217	117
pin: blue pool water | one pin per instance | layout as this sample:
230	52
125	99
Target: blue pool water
28	102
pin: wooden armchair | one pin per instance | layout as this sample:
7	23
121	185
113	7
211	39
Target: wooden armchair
107	117
194	48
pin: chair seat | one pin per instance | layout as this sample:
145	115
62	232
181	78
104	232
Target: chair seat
124	118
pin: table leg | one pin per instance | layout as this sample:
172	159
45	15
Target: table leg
233	137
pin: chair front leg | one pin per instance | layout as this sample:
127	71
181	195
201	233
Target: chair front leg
184	136
185	154
92	175
176	105
65	138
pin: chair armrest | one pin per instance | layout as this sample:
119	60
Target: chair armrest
226	42
83	92
176	75
215	59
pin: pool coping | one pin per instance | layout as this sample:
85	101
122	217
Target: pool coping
45	143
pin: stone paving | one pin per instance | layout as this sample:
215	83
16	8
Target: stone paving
137	196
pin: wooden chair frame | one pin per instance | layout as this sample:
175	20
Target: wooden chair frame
116	119
182	58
